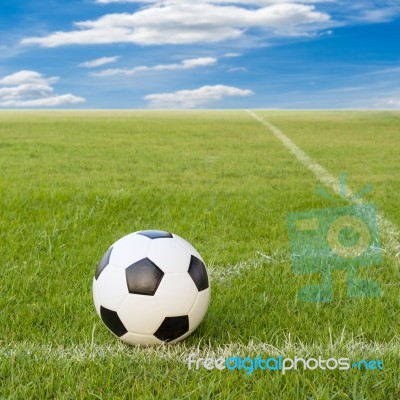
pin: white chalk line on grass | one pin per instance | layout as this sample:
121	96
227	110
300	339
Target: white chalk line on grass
180	351
389	230
228	272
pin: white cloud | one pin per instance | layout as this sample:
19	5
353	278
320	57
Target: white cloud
243	2
52	101
237	69
98	62
191	22
32	89
378	15
390	103
26	77
185	64
194	98
232	55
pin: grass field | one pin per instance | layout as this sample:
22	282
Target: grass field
72	183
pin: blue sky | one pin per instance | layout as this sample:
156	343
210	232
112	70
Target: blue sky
127	54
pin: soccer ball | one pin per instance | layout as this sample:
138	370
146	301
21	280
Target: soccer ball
151	287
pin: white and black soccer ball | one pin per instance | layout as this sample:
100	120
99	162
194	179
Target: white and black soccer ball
151	287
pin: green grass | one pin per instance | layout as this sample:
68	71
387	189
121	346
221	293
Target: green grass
72	183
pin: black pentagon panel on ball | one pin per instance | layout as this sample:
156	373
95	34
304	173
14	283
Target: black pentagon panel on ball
143	277
197	270
103	263
172	328
155	234
112	321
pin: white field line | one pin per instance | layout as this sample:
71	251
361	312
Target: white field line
224	274
389	231
180	351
